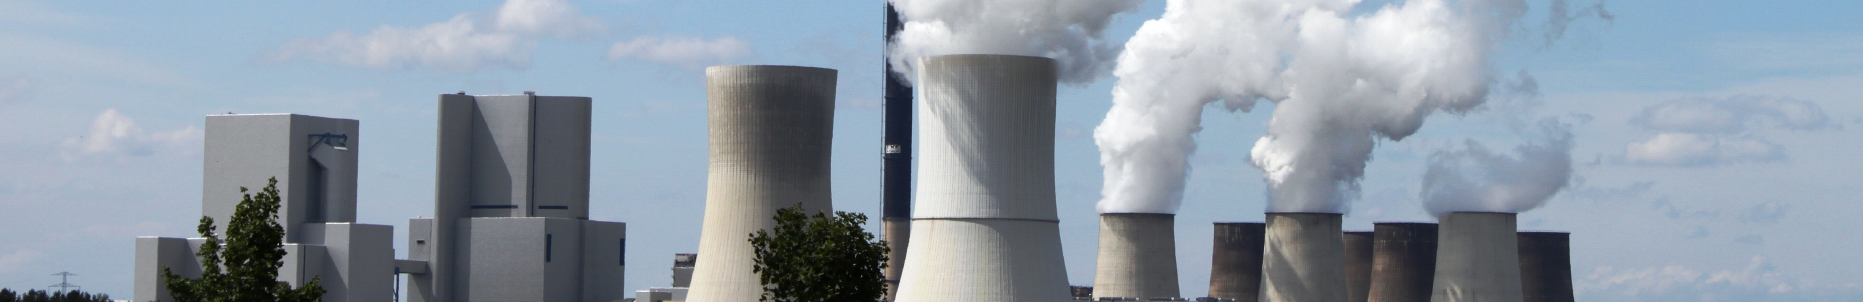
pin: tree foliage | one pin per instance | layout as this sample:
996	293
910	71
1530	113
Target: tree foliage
243	267
8	295
819	258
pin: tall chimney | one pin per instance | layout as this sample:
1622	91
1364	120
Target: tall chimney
984	227
1477	259
771	129
1546	266
1303	258
1403	261
1138	256
1235	262
1358	265
896	163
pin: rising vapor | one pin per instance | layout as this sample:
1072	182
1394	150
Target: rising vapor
1068	31
1475	179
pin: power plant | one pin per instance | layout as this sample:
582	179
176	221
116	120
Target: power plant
1303	258
772	128
984	227
1546	266
1477	258
1137	257
1403	261
1358	263
1235	264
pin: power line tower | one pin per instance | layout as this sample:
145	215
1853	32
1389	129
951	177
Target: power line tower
63	286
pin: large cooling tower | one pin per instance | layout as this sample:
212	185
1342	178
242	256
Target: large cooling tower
1303	258
1358	265
1403	261
1546	266
1235	261
984	226
1477	259
1138	256
771	128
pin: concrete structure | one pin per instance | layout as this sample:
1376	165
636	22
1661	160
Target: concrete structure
1477	259
682	277
1138	256
896	161
1303	258
1358	265
1235	264
511	207
984	227
1546	266
771	132
1403	261
314	161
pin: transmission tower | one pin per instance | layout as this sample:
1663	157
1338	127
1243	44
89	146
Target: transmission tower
63	286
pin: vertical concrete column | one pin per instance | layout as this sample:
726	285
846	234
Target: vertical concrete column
1235	264
771	132
1358	265
1137	258
1478	259
984	226
1546	266
1303	258
1403	261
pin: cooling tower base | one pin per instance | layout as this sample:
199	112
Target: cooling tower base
1303	258
1137	256
984	260
1477	259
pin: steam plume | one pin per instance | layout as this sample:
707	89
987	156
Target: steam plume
1065	30
1475	179
1338	81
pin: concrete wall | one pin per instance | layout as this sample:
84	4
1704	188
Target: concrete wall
504	259
604	254
771	132
155	253
1235	264
1358	262
1477	259
1546	266
1137	256
984	225
1303	258
244	150
1403	261
358	264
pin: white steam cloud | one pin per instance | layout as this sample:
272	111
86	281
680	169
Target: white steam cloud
1339	80
1068	31
469	42
1475	179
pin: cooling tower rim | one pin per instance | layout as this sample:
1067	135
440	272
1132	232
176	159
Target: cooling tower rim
1356	232
1403	223
1240	222
1526	232
985	55
1483	212
1304	213
710	68
1138	214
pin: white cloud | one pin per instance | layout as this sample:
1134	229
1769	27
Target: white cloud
466	43
1732	115
1759	281
1700	150
682	51
112	133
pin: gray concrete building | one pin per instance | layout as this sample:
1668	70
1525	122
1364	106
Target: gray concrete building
511	207
314	161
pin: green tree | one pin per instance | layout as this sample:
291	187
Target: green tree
819	258
245	266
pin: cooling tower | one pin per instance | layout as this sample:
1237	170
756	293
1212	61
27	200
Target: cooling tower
1403	261
984	226
771	128
1546	266
1235	262
1358	265
1477	259
1303	258
1138	256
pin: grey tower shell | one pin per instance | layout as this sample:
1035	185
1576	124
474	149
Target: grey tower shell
1303	259
1477	259
1137	257
1358	261
984	227
1546	266
1235	264
1403	261
771	132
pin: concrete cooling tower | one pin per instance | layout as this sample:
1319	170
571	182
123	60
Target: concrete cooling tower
1235	261
771	129
1546	266
1137	258
984	226
1358	265
1403	261
1303	258
1477	259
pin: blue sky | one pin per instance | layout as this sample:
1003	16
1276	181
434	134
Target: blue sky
1702	173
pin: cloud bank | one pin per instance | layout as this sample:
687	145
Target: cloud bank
1704	132
469	42
1760	280
681	51
113	134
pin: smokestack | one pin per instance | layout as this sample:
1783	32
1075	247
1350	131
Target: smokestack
771	129
1477	259
1138	256
1546	266
984	227
896	163
1403	261
1358	265
1303	258
1235	263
